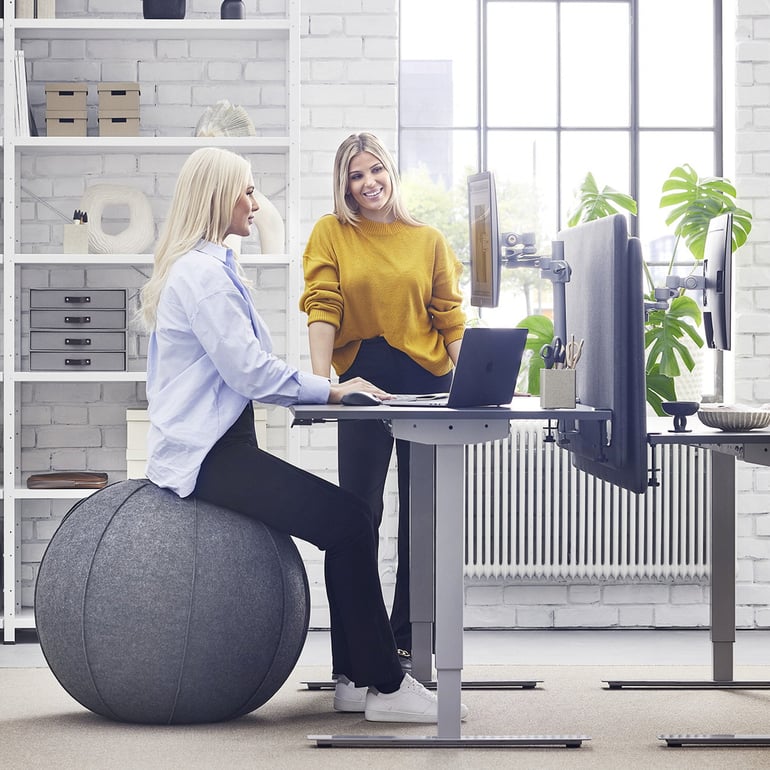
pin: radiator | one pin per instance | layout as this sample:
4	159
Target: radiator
530	514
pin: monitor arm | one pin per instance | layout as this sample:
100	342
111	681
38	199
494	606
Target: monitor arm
673	282
519	250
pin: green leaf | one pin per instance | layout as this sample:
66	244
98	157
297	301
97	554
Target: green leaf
659	389
540	330
695	202
593	203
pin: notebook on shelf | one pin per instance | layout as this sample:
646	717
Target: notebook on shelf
485	374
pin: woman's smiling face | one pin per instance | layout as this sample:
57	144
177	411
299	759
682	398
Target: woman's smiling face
370	186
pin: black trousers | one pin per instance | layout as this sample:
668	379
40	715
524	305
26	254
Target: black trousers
236	474
364	449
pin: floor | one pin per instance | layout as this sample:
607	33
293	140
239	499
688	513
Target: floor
525	647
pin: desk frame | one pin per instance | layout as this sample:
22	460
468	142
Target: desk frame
726	449
437	437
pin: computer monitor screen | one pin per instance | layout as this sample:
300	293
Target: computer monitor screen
717	292
605	307
484	240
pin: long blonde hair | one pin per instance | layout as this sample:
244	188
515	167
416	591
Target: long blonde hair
206	191
345	208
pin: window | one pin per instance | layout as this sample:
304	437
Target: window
543	92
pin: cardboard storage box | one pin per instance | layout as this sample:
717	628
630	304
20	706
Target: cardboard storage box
118	97
138	426
66	96
25	9
118	124
66	122
45	9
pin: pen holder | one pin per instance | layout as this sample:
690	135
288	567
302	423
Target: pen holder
557	388
75	239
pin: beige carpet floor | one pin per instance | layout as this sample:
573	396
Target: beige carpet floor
42	727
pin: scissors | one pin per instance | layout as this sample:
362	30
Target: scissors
554	354
573	352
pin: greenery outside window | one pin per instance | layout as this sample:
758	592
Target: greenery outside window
544	91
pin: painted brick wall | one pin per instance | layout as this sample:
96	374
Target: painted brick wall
349	83
752	299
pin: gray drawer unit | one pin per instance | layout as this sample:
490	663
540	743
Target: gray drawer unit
75	341
77	298
77	319
77	361
77	329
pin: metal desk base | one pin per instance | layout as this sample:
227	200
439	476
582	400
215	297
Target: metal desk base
715	740
435	742
723	557
684	684
491	684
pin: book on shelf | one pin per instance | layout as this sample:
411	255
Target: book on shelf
22	101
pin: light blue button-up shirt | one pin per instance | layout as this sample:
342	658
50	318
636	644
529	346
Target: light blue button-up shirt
209	355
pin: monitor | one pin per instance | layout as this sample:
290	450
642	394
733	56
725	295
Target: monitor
485	262
717	289
604	302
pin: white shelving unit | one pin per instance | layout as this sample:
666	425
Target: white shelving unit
22	152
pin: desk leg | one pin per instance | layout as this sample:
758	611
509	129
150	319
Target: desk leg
723	557
722	565
450	473
421	559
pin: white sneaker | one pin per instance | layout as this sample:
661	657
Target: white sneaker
410	703
348	697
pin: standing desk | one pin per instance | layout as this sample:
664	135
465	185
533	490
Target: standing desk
437	437
726	448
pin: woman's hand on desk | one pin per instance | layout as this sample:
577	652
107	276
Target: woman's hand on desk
357	384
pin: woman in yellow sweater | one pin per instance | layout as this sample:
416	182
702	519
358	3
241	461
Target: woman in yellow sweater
383	302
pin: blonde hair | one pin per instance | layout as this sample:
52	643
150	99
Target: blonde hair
345	208
206	191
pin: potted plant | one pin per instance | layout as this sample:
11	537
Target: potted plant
694	202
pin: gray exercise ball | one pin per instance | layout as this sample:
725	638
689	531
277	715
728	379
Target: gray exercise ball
155	609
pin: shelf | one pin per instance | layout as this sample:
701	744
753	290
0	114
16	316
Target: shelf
110	260
272	92
25	618
135	29
86	145
22	493
89	376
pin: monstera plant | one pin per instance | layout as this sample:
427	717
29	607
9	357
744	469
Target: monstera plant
693	202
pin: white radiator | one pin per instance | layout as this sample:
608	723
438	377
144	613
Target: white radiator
530	514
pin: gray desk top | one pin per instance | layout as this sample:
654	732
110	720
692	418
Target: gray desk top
521	408
660	431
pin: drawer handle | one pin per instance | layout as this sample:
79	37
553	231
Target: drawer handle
77	341
74	319
78	300
77	362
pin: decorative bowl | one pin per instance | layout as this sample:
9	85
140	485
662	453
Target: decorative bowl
734	417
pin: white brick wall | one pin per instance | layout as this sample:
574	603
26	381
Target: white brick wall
349	83
752	370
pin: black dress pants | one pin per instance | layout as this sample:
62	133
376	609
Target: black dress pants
364	449
236	474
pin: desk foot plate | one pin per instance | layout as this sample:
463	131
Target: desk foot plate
504	684
663	684
715	740
435	742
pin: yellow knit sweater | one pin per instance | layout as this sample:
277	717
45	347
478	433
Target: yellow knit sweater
393	280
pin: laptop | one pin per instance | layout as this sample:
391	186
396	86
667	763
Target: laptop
485	374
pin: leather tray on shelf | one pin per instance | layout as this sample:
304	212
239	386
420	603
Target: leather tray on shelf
67	480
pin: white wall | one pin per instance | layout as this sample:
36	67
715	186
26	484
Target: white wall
349	83
752	300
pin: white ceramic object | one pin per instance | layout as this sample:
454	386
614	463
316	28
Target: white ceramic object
225	119
138	234
734	417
